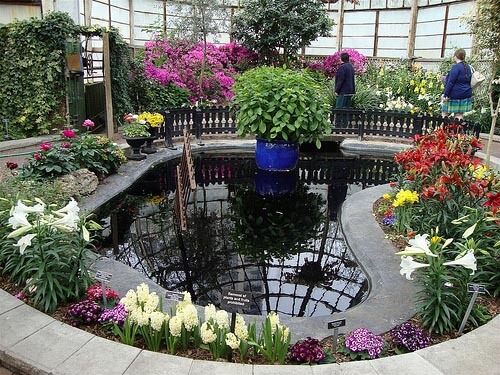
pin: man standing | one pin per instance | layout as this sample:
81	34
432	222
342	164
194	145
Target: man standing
344	82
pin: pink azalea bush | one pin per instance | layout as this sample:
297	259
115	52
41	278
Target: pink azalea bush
180	63
331	64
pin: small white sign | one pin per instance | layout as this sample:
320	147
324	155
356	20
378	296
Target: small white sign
174	296
103	276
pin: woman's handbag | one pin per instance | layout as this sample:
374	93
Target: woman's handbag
476	78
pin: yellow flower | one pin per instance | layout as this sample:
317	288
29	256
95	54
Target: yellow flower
386	196
412	82
416	90
422	90
381	73
435	239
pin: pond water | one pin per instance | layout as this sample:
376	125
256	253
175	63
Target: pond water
276	235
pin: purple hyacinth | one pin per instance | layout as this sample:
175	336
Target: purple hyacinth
84	312
115	315
363	339
410	336
389	220
307	351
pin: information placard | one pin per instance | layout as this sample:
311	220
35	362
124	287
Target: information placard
478	288
103	276
236	299
336	324
174	296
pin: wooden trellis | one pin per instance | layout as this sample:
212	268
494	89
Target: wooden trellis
186	183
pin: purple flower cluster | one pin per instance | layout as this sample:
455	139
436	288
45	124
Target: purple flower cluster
363	339
307	351
389	220
115	315
84	312
410	336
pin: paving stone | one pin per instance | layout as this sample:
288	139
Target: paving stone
282	370
351	368
150	363
409	364
64	341
219	368
99	356
19	323
8	301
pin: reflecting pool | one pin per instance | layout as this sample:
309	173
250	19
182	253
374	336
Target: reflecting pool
276	235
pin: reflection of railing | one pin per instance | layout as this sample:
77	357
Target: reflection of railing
186	183
222	121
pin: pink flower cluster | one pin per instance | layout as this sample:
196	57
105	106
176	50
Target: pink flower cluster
117	315
181	63
331	64
307	351
363	339
94	293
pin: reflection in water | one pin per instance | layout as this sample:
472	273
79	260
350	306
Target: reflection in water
286	248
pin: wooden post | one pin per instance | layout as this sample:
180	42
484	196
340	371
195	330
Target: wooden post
131	22
413	28
445	30
87	10
375	34
110	128
340	26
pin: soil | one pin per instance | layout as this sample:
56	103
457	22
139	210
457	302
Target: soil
491	303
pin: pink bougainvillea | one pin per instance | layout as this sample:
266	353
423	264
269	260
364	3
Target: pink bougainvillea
183	64
331	64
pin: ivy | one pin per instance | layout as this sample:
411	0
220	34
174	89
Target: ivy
32	80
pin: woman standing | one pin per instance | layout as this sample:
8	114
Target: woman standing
457	96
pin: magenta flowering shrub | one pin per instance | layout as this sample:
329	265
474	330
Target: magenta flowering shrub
409	336
84	312
331	64
363	344
180	63
239	56
307	351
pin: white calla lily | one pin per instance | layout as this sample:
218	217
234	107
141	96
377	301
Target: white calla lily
408	265
467	261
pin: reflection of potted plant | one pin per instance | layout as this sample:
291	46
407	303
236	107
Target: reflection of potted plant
282	108
275	226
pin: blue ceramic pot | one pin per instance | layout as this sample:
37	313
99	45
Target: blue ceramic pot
276	155
275	184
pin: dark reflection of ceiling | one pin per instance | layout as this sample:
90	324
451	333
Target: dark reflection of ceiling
292	272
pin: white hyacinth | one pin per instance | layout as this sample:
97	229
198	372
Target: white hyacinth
207	333
157	318
143	293
232	341
274	319
151	303
175	325
241	329
210	312
189	317
222	318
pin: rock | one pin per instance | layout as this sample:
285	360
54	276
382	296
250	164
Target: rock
80	182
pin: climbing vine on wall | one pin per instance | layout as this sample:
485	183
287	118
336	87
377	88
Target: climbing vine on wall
32	80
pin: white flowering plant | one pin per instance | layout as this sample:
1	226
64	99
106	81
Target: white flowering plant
274	339
442	298
47	251
144	315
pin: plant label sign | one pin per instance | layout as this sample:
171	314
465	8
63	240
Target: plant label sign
236	299
336	324
103	276
174	296
476	288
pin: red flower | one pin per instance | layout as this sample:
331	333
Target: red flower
37	156
68	133
493	201
11	165
65	145
88	124
45	146
392	184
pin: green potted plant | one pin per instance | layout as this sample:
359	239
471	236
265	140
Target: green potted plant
135	132
282	108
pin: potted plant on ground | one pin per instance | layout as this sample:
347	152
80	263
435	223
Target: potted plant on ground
282	108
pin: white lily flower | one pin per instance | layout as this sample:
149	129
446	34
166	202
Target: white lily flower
469	231
467	261
71	207
21	207
19	219
408	265
419	245
19	231
24	242
68	222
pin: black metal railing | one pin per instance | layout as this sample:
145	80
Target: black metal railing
219	121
